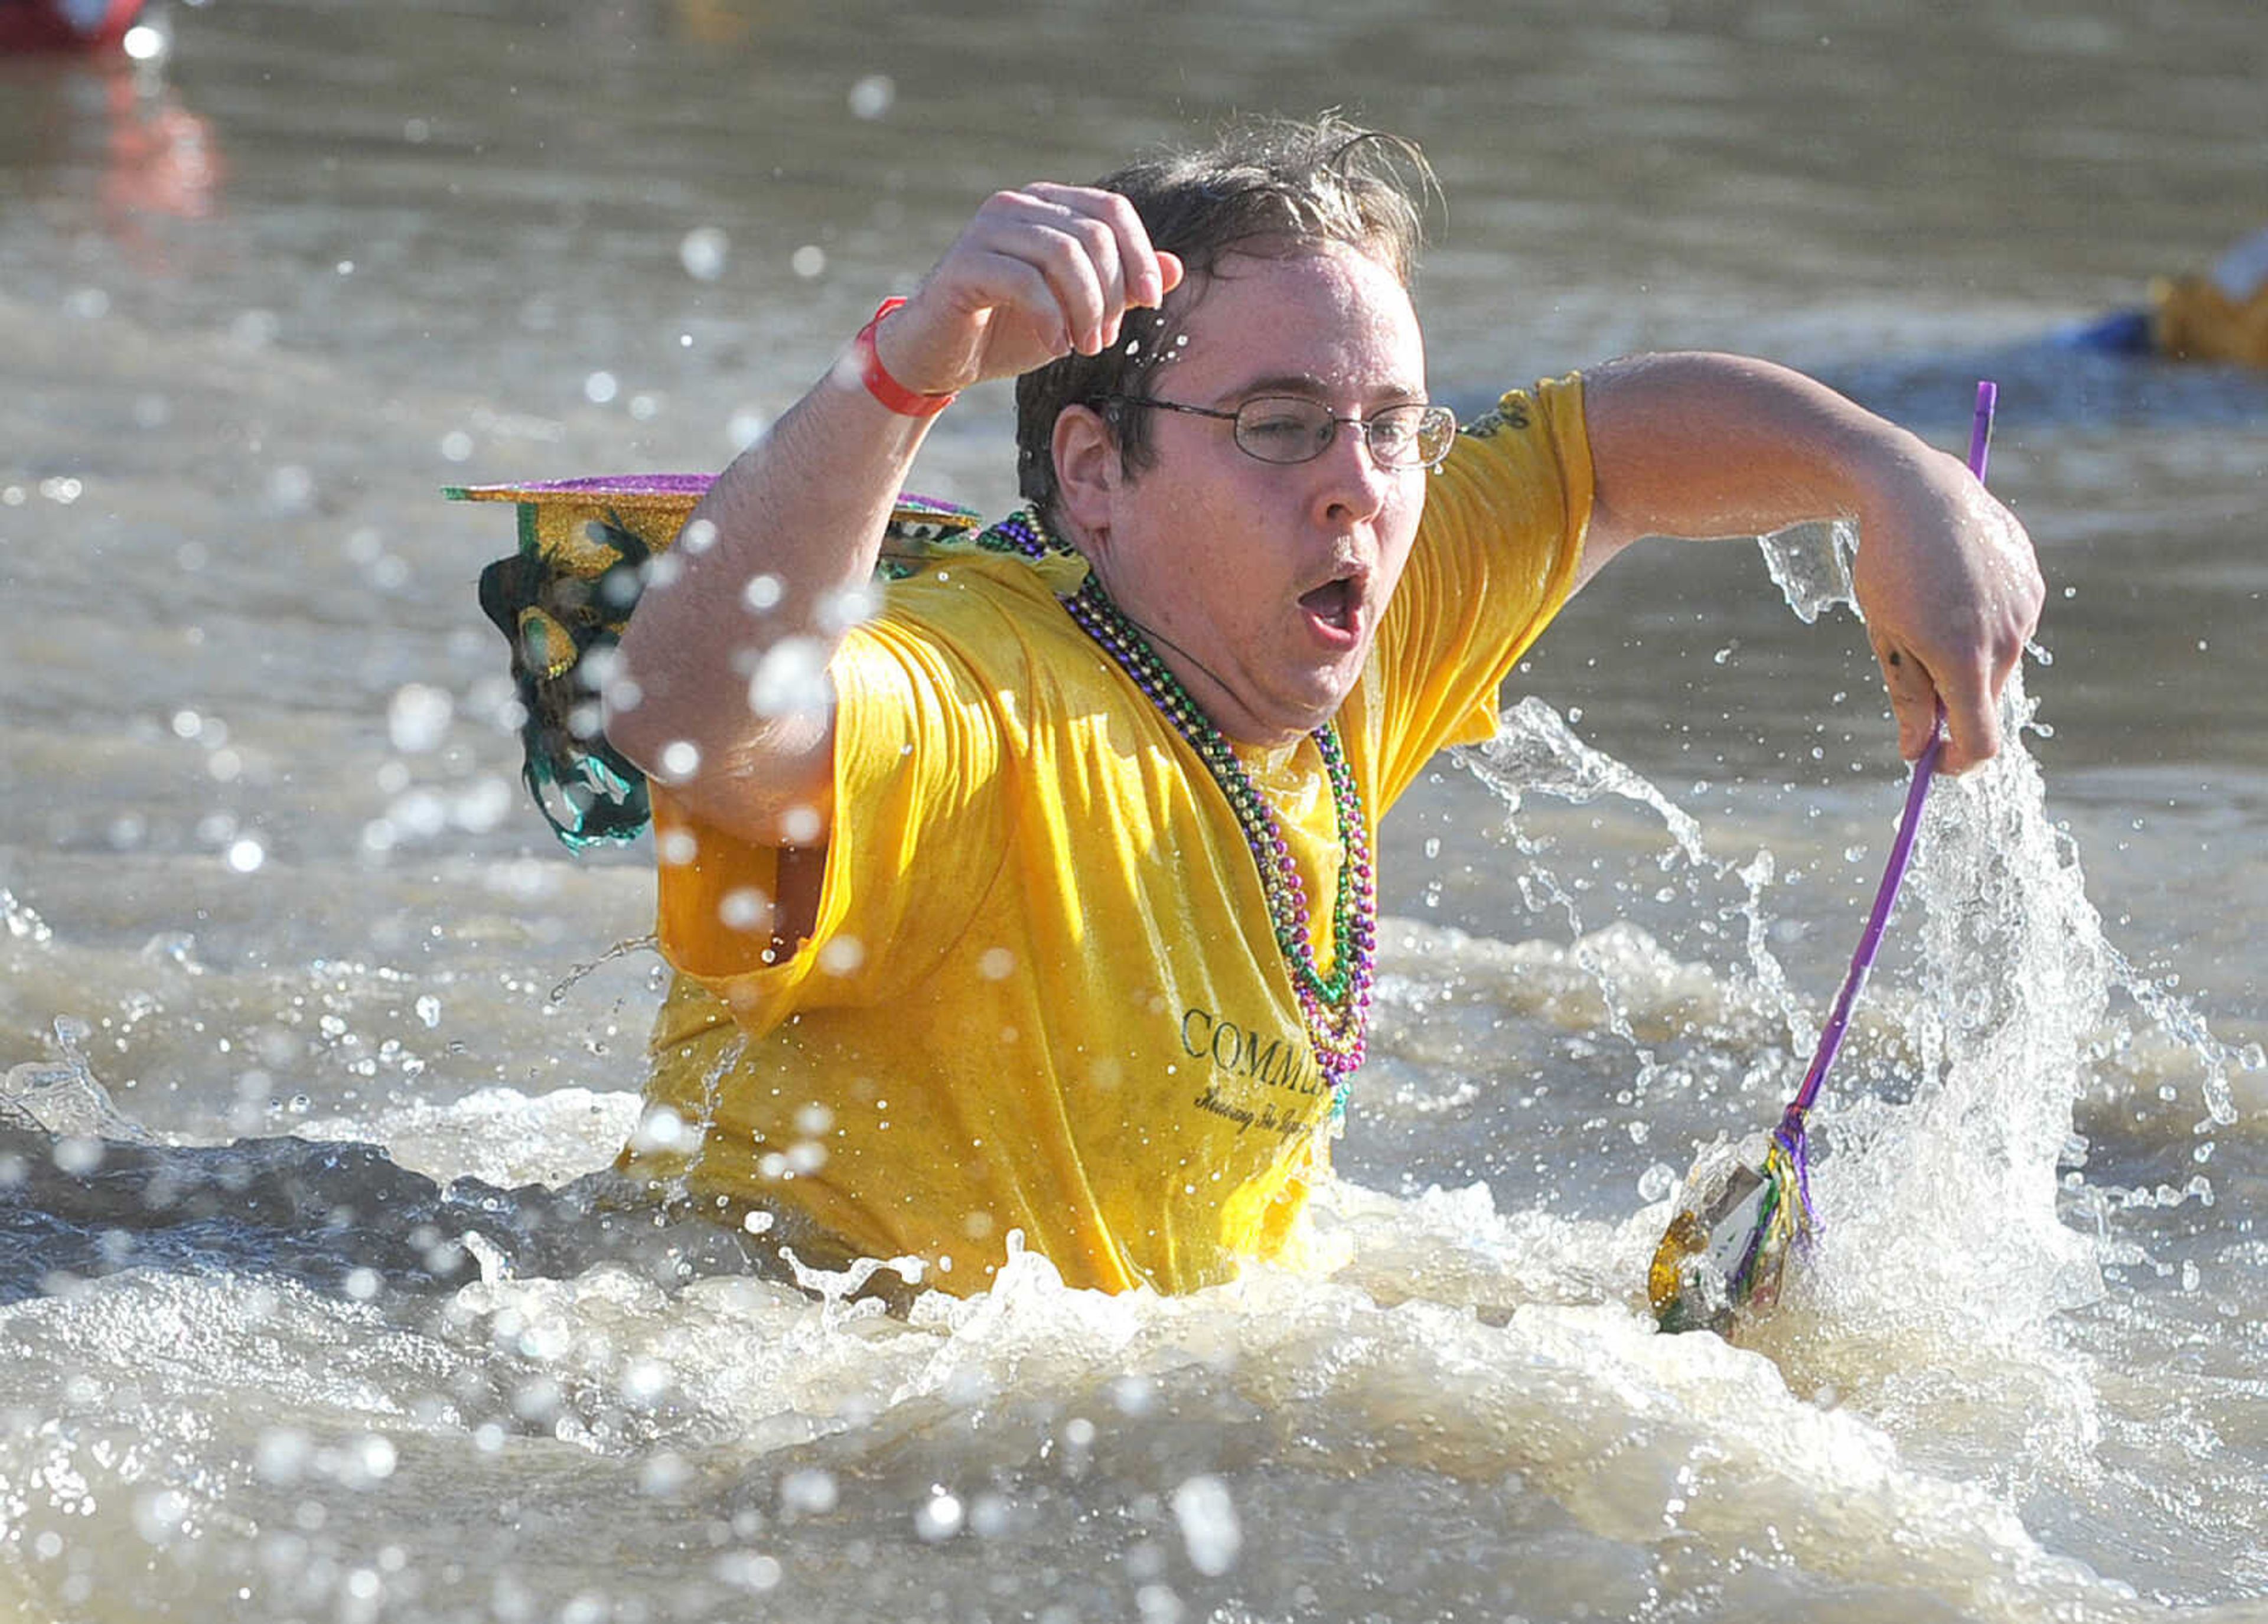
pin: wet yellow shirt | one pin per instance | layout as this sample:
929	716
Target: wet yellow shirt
1043	993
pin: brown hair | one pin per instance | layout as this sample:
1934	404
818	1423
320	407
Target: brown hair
1290	179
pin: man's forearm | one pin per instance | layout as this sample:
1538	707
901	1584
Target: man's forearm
1700	445
722	687
1721	445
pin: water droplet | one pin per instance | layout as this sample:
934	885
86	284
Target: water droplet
750	1571
418	717
745	908
703	253
290	489
373	1457
809	1491
281	1455
1207	1514
159	1514
791	677
939	1517
253	329
644	1382
78	1155
660	1130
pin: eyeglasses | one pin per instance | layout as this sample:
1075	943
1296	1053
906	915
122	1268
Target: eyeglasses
1285	428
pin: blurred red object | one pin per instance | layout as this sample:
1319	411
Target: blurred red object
65	24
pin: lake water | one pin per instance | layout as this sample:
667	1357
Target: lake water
268	871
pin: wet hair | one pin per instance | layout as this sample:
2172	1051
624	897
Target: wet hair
1268	182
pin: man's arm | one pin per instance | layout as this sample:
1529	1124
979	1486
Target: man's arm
1719	445
723	693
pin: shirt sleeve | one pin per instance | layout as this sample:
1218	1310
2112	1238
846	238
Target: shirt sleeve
917	838
1495	559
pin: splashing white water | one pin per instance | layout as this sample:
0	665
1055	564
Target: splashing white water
1948	1265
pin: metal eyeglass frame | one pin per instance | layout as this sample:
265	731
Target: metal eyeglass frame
1440	419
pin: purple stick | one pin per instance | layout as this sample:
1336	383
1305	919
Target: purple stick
1831	1039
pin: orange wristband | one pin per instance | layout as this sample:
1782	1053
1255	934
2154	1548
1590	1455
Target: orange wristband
891	394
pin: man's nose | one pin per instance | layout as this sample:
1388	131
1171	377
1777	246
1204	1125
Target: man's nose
1354	479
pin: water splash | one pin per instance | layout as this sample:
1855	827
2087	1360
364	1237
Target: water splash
1949	1255
62	1098
20	922
1536	751
1950	1199
1811	565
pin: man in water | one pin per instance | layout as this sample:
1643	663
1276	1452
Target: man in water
1033	892
2221	315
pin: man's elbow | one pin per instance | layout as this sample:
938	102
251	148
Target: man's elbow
663	718
766	782
678	750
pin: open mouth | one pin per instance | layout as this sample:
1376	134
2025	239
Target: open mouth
1333	603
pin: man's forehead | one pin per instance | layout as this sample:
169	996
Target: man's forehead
1299	317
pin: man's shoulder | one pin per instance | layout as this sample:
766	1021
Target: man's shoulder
976	625
974	578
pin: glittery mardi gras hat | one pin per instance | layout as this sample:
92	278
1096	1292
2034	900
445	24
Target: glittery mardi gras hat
586	550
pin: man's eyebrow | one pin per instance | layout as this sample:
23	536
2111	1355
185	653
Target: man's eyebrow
1306	385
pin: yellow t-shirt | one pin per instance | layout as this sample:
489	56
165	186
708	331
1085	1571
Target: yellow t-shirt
1042	992
2195	319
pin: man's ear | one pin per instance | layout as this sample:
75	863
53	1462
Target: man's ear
1089	472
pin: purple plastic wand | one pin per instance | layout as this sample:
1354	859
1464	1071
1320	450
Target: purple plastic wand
1790	1132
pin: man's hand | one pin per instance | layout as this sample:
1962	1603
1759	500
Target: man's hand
1039	272
1951	591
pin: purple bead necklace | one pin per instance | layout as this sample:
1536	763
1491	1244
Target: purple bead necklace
1336	1007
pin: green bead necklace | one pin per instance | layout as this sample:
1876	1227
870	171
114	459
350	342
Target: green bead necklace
1335	1007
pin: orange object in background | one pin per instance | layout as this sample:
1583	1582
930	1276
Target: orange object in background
2220	316
97	134
65	24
